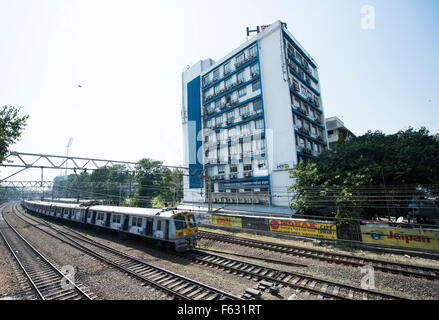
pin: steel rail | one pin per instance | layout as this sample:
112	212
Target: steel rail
346	259
130	259
38	255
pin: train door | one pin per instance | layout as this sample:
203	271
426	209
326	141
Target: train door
107	220
125	223
149	226
93	217
167	230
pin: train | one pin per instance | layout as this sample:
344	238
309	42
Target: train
171	227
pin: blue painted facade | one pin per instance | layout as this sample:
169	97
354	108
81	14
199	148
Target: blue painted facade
194	116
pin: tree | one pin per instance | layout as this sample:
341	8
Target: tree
11	128
149	175
338	179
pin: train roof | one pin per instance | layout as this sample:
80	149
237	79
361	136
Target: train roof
141	212
57	204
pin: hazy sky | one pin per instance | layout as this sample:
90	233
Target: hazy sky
128	56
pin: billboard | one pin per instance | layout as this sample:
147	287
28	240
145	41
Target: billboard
304	227
413	238
203	218
227	221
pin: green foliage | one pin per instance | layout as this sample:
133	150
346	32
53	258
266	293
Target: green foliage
331	180
11	128
158	185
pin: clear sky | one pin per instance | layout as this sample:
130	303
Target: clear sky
128	56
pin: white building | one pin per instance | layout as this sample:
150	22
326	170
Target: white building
335	127
250	116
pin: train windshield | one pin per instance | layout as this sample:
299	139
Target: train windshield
192	222
180	222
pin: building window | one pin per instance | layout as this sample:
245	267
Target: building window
253	52
219	120
303	91
254	70
257	105
206	80
218	104
242	92
228	82
227	67
245	127
247	167
243	110
216	89
231	115
221	169
330	132
233	169
210	171
301	142
240	77
308	144
316	148
216	74
296	102
262	164
314	130
259	124
260	144
240	58
256	85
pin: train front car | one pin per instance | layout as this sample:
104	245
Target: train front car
185	230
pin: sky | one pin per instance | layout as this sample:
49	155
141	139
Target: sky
128	56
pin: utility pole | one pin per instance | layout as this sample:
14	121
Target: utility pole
42	188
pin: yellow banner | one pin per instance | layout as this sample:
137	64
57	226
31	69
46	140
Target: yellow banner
414	238
227	221
306	228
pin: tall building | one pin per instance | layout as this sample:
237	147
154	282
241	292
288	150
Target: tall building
249	117
335	127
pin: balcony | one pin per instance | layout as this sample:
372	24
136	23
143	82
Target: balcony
303	130
254	74
246	115
248	174
230	121
240	63
233	176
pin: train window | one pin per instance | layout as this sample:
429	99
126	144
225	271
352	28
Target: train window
116	219
159	225
136	222
192	222
180	223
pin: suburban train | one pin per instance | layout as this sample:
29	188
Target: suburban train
172	227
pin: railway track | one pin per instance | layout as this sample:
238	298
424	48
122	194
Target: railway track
174	285
314	287
317	288
338	258
47	281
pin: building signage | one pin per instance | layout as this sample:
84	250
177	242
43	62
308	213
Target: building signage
246	183
285	166
265	27
226	221
304	227
413	238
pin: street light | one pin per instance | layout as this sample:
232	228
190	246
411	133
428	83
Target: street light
69	144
